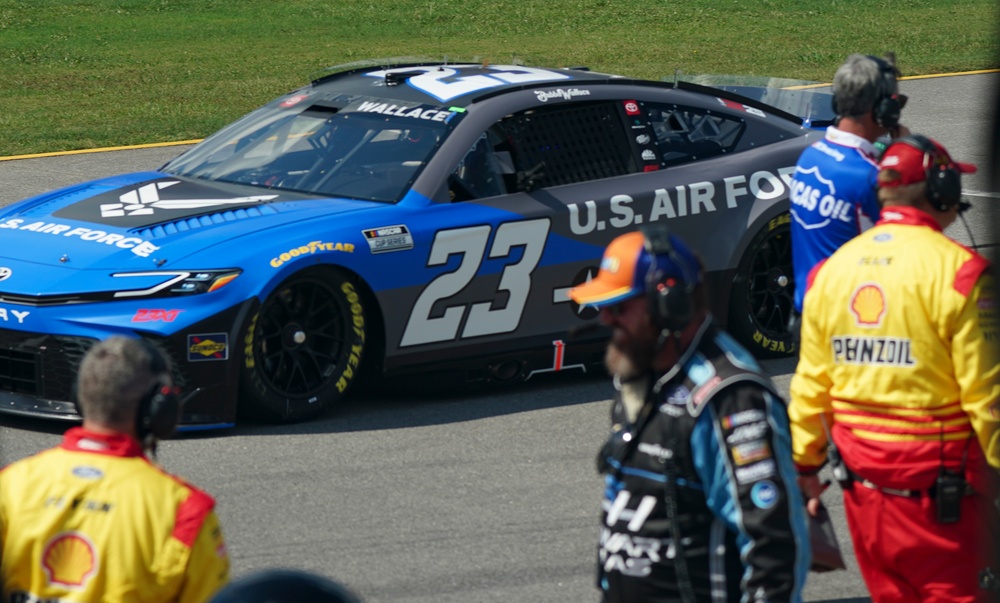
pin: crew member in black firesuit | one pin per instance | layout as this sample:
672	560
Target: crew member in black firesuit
701	501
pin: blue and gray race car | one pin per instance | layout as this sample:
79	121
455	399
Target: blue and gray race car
399	220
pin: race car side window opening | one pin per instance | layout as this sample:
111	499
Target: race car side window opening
483	170
685	134
321	150
550	146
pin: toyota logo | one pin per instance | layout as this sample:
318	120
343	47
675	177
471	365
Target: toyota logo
5	272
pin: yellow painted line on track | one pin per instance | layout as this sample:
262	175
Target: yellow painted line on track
906	77
197	140
151	145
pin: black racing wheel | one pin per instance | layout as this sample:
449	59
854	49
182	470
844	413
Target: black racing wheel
763	293
303	349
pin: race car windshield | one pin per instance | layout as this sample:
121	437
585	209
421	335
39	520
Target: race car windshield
366	150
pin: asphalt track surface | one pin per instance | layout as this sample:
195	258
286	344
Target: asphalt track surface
487	496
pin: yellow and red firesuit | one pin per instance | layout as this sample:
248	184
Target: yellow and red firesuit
898	355
94	520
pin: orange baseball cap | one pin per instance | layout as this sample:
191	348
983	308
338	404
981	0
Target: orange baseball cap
627	266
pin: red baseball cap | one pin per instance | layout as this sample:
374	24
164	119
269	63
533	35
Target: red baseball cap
911	156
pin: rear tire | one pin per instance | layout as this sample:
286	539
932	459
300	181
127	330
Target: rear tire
763	293
303	348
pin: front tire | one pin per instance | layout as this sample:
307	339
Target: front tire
763	293
303	349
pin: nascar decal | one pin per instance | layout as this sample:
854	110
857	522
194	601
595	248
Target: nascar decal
136	245
154	202
388	238
450	81
683	200
13	315
69	560
311	248
209	346
429	326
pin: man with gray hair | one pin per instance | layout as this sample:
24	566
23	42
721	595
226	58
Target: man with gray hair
833	190
94	519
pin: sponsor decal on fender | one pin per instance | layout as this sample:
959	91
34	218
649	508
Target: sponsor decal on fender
208	346
5	273
155	315
309	249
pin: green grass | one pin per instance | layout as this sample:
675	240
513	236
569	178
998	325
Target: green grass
96	73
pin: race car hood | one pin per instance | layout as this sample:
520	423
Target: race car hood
137	220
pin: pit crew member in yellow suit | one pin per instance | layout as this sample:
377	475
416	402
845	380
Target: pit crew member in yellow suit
898	362
94	519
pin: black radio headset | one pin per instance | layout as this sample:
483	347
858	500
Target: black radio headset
944	181
671	302
159	408
887	107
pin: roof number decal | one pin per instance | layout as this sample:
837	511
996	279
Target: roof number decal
444	83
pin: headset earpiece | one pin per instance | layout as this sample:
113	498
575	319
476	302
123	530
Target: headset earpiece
887	107
159	409
671	302
944	181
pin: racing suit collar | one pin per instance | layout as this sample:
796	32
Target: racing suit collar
846	139
79	439
910	216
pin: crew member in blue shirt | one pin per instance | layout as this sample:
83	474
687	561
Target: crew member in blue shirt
833	196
